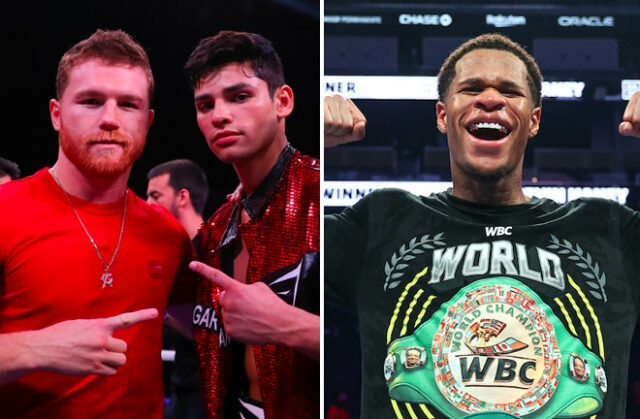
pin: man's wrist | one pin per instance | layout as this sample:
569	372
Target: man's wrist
18	358
302	331
26	356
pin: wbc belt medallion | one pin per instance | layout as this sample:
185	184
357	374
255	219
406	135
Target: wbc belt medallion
495	349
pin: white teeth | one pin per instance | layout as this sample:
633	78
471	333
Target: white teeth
488	125
491	125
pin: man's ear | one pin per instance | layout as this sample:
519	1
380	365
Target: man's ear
441	117
534	122
152	113
54	113
184	197
283	98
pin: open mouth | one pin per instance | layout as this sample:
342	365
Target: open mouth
489	131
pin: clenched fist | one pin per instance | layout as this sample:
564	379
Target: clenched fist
343	121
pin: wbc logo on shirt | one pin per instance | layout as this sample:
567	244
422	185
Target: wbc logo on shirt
496	350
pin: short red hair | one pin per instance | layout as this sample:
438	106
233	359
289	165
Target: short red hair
112	47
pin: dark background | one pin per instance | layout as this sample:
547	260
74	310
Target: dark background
578	142
35	34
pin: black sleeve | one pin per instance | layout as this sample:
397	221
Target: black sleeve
630	236
345	242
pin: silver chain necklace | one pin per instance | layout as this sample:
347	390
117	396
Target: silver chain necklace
107	277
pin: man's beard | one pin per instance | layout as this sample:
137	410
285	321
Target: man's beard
173	207
485	177
107	164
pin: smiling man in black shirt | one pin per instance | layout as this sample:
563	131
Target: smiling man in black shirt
518	306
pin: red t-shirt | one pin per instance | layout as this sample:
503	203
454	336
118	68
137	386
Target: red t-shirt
336	412
50	272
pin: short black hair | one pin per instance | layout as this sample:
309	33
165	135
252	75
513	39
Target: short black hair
491	41
228	47
7	167
185	174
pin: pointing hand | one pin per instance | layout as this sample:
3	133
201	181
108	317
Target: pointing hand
79	347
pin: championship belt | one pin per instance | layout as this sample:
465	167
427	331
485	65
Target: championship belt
496	347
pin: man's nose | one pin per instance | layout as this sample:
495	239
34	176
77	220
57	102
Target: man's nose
109	116
221	114
490	99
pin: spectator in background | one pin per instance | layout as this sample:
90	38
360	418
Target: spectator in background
181	187
8	171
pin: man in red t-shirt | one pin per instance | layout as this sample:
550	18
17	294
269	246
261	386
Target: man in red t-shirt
85	265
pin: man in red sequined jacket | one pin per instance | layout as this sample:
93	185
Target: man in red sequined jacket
256	323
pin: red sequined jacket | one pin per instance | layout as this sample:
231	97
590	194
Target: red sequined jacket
282	238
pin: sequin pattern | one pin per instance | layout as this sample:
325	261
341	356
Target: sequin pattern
287	228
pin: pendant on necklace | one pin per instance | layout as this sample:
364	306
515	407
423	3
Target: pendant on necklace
107	280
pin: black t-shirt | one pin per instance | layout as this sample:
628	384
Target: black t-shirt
465	308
